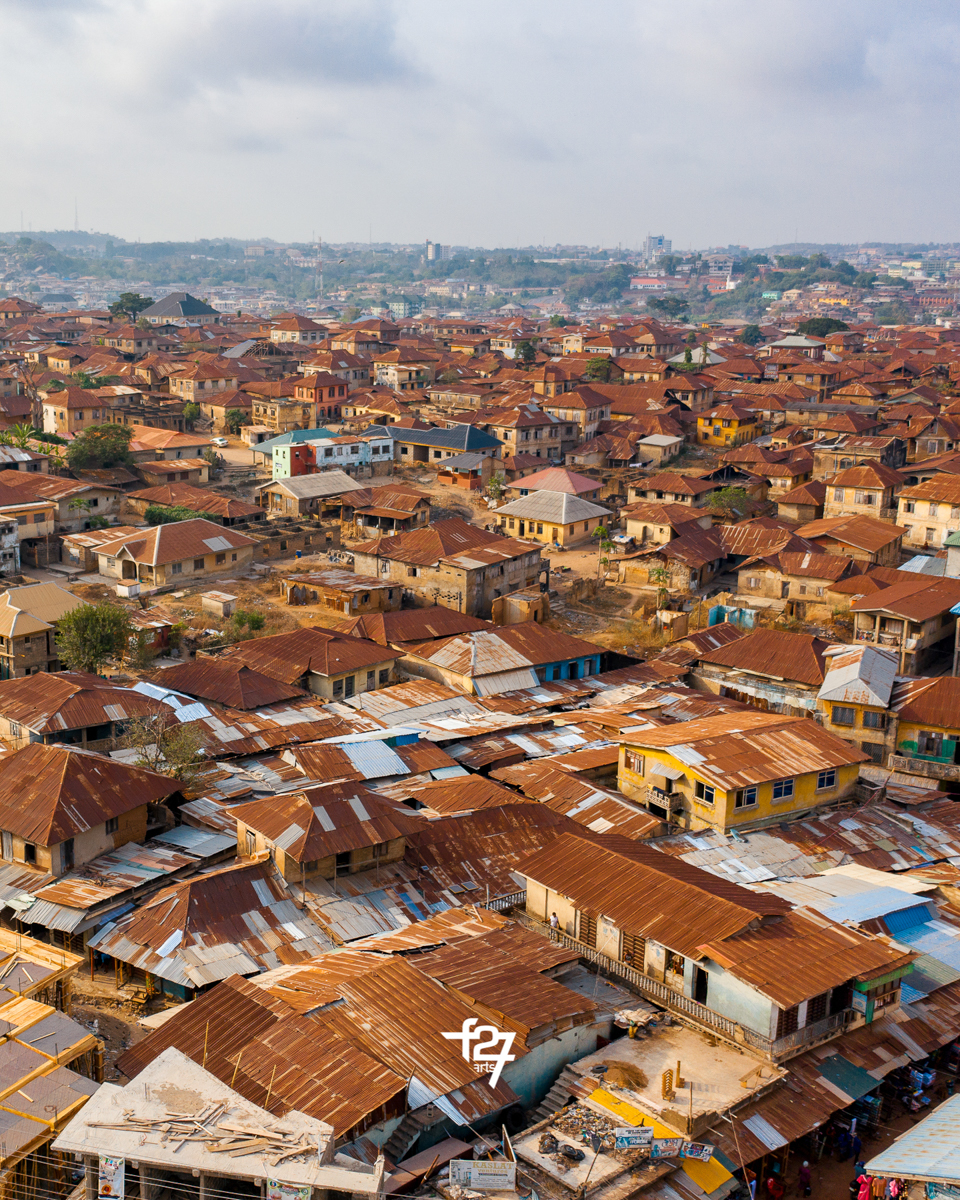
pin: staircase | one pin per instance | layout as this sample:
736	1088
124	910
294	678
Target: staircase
406	1133
568	1084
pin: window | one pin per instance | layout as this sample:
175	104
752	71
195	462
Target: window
220	559
384	676
745	798
29	853
931	535
826	779
113	824
632	760
176	568
909	506
876	750
337	688
874	720
838	494
803	589
932	509
233	558
539	528
753	581
704	792
782	789
350	685
843	716
198	564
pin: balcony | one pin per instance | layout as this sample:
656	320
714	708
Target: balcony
691	1010
932	768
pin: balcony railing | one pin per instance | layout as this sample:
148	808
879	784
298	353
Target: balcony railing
929	767
676	1002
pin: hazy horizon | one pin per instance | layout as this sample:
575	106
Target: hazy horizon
483	125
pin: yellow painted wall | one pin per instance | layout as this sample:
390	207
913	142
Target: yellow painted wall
722	814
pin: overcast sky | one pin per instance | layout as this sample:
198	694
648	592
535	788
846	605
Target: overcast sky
483	122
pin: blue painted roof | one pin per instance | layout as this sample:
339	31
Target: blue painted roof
938	943
461	437
876	902
930	1150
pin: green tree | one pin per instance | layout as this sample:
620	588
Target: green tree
169	514
821	326
670	262
750	335
190	413
497	485
21	435
100	446
669	306
598	368
130	305
166	746
79	505
557	322
893	313
865	279
141	651
351	313
91	635
526	352
732	501
235	420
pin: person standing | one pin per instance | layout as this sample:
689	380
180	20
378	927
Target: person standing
803	1179
554	921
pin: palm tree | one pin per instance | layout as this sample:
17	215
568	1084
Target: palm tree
21	435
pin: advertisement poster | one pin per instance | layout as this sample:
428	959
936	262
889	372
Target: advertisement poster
631	1136
111	1177
666	1147
701	1151
286	1191
483	1176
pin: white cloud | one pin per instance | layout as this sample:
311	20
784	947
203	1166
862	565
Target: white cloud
490	123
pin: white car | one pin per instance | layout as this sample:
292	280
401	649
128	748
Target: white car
219	442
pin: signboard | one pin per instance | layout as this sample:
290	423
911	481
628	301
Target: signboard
630	1136
111	1178
666	1147
483	1175
858	1002
701	1151
287	1191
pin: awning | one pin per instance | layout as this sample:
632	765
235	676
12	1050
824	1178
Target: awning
666	771
849	1080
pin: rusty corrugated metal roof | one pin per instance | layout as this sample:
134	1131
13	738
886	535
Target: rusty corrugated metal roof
227	681
56	701
289	656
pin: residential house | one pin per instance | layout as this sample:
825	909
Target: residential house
376	406
727	425
70	708
747	768
197	383
657	523
299	330
718	954
925	719
930	512
914	619
28	620
432	445
803	503
320	661
225	510
307	495
227	683
554	518
487	662
452	563
556	479
766	668
692	490
174	553
341	591
838	454
75	500
71	410
34	539
404	369
276	406
525	429
79	549
353	370
581	410
324	832
61	806
869	491
854	699
470	471
164	472
679	565
865	538
180	308
325	391
394	508
800	578
358	454
148	444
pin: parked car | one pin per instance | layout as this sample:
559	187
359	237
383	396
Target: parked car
219	441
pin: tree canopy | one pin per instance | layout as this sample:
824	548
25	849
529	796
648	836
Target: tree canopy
130	305
821	326
100	446
91	635
669	306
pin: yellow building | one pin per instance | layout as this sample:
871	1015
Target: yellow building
554	518
855	697
927	738
746	768
727	425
